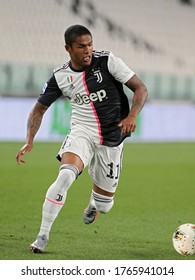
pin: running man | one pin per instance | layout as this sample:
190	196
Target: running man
101	120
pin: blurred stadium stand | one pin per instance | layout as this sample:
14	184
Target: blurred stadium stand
155	38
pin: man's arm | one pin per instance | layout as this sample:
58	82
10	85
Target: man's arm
33	124
128	124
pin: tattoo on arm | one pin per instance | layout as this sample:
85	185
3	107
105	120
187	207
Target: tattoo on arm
34	121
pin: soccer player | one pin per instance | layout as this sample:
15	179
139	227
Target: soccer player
101	119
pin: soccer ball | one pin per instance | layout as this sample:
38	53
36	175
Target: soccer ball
184	239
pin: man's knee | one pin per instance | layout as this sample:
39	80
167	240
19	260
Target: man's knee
67	174
103	203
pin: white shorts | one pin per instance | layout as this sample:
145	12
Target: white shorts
104	163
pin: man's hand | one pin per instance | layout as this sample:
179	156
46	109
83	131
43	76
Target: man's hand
127	125
25	149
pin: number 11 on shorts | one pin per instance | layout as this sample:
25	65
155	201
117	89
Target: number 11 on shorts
111	170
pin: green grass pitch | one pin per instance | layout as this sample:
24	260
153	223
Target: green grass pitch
156	194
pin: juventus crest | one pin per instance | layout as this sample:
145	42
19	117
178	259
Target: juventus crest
98	74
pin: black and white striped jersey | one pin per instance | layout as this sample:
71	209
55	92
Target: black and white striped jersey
96	95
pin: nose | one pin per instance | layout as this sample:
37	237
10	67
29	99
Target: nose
86	50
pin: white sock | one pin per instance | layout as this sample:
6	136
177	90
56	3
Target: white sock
102	203
56	196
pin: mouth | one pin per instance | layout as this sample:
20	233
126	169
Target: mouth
87	59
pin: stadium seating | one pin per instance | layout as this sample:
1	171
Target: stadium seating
153	37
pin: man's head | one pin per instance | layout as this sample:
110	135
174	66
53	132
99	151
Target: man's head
79	45
73	32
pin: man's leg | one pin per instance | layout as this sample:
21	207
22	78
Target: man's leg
104	169
100	201
71	166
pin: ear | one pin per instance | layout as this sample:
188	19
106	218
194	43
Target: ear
67	48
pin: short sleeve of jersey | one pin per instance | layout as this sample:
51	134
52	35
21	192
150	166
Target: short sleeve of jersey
50	92
118	69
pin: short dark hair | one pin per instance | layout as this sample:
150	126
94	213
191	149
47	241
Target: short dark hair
75	31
